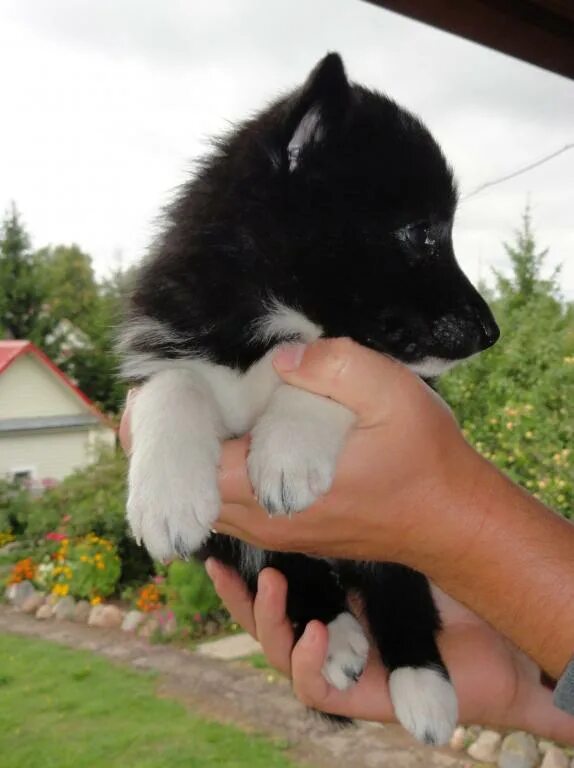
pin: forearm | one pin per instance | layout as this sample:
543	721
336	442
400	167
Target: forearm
511	560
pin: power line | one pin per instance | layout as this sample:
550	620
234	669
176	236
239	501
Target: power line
520	171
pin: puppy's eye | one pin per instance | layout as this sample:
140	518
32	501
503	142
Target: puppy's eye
418	235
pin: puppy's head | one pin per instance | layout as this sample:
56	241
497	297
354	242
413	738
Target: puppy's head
364	201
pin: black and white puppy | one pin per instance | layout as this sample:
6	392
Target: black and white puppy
327	214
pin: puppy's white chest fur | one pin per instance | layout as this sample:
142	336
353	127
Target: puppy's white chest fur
241	397
188	406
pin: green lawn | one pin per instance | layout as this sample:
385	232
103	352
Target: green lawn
69	709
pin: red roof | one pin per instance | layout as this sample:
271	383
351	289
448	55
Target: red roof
11	350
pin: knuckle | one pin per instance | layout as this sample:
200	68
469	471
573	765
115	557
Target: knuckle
303	694
338	353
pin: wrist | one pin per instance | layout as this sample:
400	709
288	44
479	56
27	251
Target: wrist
455	501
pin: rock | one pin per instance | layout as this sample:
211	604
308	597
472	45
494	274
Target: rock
10	547
82	611
17	593
33	602
554	758
44	611
94	617
485	748
229	648
518	750
544	746
132	620
52	599
149	627
458	739
167	623
64	608
107	616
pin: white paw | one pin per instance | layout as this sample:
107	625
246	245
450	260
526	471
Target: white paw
347	653
172	505
292	461
425	703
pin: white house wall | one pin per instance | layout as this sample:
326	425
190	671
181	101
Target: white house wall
29	389
51	455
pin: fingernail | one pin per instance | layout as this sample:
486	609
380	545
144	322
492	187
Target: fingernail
262	585
288	358
310	635
211	568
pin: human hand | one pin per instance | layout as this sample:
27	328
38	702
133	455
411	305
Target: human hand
405	463
496	684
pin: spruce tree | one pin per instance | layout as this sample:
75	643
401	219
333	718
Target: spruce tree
22	313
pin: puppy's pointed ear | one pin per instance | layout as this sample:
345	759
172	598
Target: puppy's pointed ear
318	108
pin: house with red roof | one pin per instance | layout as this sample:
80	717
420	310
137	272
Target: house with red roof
48	427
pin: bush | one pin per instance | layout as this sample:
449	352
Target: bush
514	402
189	592
15	507
86	568
91	501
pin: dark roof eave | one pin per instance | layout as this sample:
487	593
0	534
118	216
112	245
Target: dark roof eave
48	422
540	32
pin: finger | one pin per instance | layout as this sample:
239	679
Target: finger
232	590
124	432
274	629
369	699
306	663
359	378
539	715
234	484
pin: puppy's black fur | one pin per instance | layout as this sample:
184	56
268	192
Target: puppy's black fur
338	203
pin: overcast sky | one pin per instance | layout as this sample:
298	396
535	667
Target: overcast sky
105	104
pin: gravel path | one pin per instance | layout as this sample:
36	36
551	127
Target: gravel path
235	693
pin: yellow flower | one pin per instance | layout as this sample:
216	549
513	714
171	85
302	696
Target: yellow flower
96	600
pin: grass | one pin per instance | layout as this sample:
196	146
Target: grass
258	661
61	708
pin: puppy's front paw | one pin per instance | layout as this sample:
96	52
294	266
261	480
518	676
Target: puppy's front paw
347	652
291	464
172	505
425	703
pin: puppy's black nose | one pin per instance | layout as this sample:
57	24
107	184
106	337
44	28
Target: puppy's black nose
489	330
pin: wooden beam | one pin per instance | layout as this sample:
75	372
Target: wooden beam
538	31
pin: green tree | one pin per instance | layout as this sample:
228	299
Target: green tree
69	284
525	281
22	296
53	298
515	400
83	342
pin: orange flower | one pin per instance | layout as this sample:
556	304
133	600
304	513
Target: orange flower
149	598
23	570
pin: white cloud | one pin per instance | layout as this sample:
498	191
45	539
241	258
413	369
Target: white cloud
105	104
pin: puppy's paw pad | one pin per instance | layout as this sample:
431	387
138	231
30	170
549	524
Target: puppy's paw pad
425	703
347	652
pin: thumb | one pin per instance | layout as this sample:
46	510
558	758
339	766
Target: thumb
364	381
